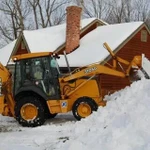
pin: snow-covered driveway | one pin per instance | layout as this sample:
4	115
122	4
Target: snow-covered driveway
15	137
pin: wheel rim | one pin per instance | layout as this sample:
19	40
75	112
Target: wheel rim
84	110
29	111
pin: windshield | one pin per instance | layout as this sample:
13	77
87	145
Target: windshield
54	64
42	72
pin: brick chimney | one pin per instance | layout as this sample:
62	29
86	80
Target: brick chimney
73	28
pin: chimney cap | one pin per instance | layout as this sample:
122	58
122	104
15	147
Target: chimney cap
73	8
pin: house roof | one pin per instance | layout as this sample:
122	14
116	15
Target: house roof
91	48
97	22
5	53
49	39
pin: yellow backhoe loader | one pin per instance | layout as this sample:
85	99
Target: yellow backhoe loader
41	92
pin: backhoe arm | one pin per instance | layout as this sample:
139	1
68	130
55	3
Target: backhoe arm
94	70
135	63
6	98
97	69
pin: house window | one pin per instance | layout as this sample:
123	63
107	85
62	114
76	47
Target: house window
144	36
22	45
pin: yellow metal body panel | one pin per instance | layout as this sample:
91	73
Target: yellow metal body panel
58	106
92	70
7	107
2	105
89	89
4	73
31	55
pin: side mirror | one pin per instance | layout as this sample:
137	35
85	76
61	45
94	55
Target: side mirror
55	55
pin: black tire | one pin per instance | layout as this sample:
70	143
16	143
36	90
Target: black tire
50	116
83	100
32	101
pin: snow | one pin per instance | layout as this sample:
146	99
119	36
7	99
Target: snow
6	52
49	39
91	48
145	65
123	124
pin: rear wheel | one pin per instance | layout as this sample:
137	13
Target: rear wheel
83	107
29	111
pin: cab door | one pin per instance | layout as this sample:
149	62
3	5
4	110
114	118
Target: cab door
51	78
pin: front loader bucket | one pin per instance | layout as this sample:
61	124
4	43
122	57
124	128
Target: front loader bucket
136	73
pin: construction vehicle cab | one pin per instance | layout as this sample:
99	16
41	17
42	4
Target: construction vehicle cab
38	74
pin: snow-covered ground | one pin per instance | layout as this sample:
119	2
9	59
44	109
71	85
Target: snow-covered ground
122	125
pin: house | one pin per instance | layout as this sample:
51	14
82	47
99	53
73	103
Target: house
132	37
126	40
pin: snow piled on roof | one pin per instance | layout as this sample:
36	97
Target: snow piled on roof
91	48
49	39
6	52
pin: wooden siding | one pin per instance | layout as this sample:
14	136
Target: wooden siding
94	26
133	47
21	50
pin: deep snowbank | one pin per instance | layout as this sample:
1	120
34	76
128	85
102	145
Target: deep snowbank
122	125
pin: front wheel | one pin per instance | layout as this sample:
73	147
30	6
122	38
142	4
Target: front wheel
83	107
29	112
